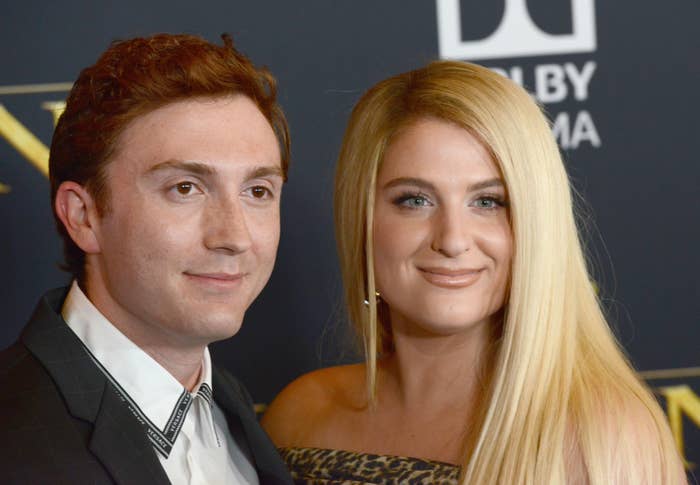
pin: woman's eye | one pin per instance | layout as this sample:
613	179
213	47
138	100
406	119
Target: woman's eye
416	202
488	203
412	201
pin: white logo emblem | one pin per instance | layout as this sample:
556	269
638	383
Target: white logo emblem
517	35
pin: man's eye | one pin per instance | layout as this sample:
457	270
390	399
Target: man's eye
184	188
260	192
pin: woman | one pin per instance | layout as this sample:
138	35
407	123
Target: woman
488	358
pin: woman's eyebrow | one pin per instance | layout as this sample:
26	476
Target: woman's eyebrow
416	182
485	184
424	184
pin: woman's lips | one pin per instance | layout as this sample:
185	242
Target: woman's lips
450	278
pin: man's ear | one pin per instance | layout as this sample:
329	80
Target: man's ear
76	209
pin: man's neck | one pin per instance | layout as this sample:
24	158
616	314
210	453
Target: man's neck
186	367
182	358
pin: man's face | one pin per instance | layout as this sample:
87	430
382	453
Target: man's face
192	229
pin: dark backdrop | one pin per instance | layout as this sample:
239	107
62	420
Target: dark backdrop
619	80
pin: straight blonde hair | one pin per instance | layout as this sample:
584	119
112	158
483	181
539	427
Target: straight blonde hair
560	381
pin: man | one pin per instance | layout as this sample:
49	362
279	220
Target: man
166	173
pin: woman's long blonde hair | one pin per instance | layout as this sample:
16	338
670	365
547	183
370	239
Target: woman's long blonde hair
559	375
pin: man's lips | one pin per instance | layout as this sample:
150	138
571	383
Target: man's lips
224	279
450	277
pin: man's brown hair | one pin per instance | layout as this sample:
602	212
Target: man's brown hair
134	77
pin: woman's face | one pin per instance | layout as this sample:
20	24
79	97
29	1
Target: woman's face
442	239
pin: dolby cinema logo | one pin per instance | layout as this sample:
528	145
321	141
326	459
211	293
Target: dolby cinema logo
513	31
490	31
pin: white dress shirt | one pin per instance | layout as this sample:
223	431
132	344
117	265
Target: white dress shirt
198	449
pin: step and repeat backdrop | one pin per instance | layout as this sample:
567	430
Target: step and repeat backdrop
620	81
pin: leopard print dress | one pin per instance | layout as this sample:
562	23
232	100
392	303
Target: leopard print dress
313	466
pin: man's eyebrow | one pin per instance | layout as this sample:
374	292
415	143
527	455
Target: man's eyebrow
266	171
196	168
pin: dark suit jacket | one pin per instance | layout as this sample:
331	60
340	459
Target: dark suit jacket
62	422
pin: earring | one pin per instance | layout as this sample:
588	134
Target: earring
376	294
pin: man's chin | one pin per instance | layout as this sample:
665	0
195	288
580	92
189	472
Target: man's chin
215	330
210	321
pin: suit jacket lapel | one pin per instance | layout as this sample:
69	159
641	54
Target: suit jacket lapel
120	443
118	440
237	407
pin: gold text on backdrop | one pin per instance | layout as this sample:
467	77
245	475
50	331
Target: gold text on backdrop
21	137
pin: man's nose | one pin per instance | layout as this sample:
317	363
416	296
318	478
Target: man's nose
451	233
226	226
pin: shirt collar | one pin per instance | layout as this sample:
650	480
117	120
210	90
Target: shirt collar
157	399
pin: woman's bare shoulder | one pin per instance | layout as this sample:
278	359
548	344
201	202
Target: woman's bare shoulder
308	405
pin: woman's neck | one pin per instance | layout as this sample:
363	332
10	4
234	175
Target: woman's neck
429	371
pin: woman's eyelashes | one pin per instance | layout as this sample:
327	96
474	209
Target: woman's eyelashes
417	200
412	200
489	202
